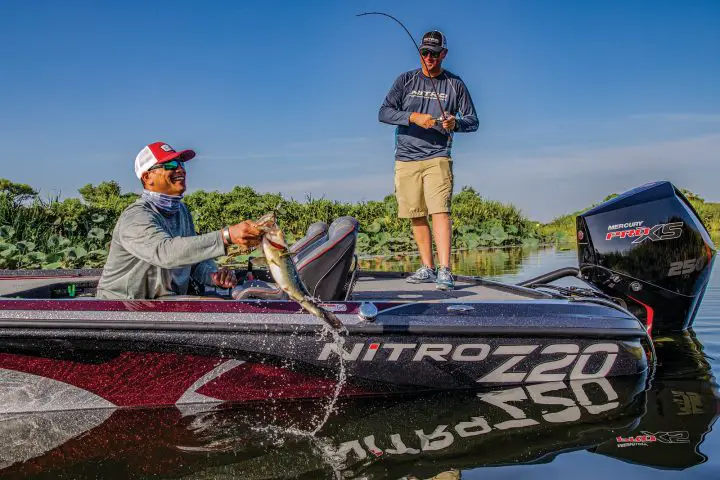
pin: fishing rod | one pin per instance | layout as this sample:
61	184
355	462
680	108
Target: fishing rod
415	44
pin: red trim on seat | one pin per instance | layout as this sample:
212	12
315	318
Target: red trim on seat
295	249
307	261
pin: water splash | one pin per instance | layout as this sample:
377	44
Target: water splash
338	337
342	375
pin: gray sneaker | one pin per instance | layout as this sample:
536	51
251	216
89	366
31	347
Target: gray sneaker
445	280
423	274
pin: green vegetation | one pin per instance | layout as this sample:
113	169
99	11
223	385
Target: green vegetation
709	211
53	234
381	231
75	232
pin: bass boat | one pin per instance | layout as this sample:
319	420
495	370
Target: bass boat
644	262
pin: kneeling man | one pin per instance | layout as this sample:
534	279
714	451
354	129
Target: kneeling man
154	249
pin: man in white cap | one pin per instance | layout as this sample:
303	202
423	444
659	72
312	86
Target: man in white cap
154	249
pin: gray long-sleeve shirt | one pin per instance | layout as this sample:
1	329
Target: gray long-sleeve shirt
413	92
153	256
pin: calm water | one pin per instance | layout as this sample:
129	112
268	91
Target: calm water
597	431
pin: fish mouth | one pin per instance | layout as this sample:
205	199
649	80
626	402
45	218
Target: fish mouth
275	244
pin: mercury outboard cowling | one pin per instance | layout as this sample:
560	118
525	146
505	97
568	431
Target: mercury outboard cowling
649	248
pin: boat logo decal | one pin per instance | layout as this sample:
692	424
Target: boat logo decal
678	437
627	225
656	233
334	307
637	441
572	364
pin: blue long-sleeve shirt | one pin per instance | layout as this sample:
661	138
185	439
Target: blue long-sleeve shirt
413	92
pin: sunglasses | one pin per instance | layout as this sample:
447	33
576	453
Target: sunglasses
171	165
425	52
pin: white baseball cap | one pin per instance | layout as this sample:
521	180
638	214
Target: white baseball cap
156	153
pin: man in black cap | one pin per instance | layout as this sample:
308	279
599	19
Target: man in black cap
428	105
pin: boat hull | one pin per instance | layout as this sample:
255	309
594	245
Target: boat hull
88	369
159	353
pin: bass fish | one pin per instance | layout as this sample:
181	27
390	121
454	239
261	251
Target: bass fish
282	268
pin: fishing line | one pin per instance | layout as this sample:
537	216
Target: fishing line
415	44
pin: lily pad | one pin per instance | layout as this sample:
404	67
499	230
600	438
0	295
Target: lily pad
374	227
7	232
96	234
25	246
75	252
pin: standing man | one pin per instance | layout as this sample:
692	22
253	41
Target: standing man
154	249
423	139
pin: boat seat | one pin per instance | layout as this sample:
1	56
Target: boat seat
325	266
316	234
325	270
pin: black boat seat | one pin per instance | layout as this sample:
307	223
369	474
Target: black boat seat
324	266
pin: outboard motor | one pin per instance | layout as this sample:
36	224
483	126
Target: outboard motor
649	248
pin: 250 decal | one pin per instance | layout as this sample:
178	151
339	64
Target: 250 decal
685	267
573	364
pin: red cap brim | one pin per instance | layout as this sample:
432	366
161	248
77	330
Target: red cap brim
183	156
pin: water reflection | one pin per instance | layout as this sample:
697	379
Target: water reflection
488	262
681	407
411	437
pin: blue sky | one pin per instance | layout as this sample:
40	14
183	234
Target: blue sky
576	99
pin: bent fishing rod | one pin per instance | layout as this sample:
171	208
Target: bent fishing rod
415	44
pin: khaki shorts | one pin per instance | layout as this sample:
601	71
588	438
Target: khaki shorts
423	187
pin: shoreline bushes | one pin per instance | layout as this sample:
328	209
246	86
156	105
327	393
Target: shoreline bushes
75	232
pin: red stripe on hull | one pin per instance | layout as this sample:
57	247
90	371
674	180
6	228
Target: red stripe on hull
253	381
168	306
149	379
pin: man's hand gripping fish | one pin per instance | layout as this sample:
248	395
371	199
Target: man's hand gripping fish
282	268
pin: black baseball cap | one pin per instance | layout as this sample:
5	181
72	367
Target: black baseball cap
434	40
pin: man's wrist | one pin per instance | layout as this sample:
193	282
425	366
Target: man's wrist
227	240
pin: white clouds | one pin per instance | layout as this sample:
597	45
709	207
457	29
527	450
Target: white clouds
547	186
543	185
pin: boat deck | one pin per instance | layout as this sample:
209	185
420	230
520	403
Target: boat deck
375	286
394	287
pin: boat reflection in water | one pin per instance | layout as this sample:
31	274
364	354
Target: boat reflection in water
417	437
681	407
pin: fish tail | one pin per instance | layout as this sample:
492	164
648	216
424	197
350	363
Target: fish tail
327	316
331	318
